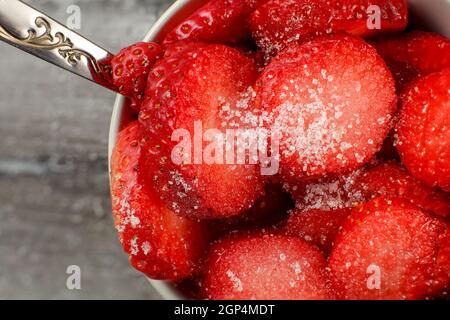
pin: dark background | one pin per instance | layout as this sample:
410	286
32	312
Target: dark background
55	208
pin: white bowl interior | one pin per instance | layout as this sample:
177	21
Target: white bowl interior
435	14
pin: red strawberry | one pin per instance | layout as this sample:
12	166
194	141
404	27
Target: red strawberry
318	227
415	54
218	21
160	243
391	179
195	83
265	266
279	22
331	100
423	129
387	249
130	68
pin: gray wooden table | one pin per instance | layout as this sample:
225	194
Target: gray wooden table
54	201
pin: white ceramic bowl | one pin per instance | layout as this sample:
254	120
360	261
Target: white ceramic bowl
435	14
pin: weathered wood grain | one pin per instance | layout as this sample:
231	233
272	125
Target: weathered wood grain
54	201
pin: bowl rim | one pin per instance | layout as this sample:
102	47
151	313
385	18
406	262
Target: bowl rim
432	10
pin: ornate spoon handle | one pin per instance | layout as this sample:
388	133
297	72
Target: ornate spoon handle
34	32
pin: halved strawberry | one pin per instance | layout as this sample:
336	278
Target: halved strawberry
218	21
265	266
414	54
187	91
391	179
279	22
423	129
331	100
160	244
318	227
388	249
130	68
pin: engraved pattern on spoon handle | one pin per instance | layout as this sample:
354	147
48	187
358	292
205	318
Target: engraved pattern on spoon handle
32	31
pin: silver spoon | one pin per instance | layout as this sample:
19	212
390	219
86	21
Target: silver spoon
34	32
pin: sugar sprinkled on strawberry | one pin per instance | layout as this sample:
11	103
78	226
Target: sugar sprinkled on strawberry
327	193
377	179
280	22
331	100
194	82
265	266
